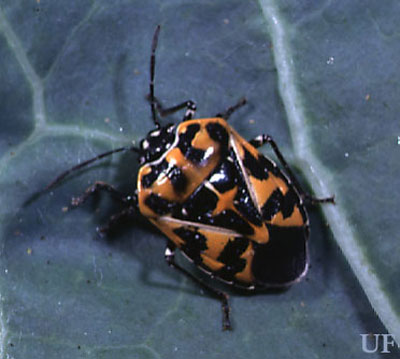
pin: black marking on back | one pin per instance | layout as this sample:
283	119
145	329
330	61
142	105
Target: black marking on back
193	154
242	201
194	244
148	179
273	205
178	179
158	204
244	204
233	250
290	200
231	220
283	258
268	166
261	166
230	256
201	203
218	133
224	177
254	166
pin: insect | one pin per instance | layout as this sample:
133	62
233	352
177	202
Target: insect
230	210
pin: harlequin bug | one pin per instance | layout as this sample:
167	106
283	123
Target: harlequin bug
231	210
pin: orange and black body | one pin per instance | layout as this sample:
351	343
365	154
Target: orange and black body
226	206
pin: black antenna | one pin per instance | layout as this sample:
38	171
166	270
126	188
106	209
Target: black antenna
87	162
153	103
152	66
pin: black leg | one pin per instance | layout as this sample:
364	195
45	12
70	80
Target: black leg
261	140
230	110
223	297
189	105
115	219
130	202
154	103
97	187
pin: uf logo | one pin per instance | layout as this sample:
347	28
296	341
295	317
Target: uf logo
369	347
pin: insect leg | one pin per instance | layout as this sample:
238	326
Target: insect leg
261	140
130	211
189	105
228	112
222	296
97	187
129	201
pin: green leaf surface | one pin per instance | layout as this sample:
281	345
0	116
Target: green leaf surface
320	77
